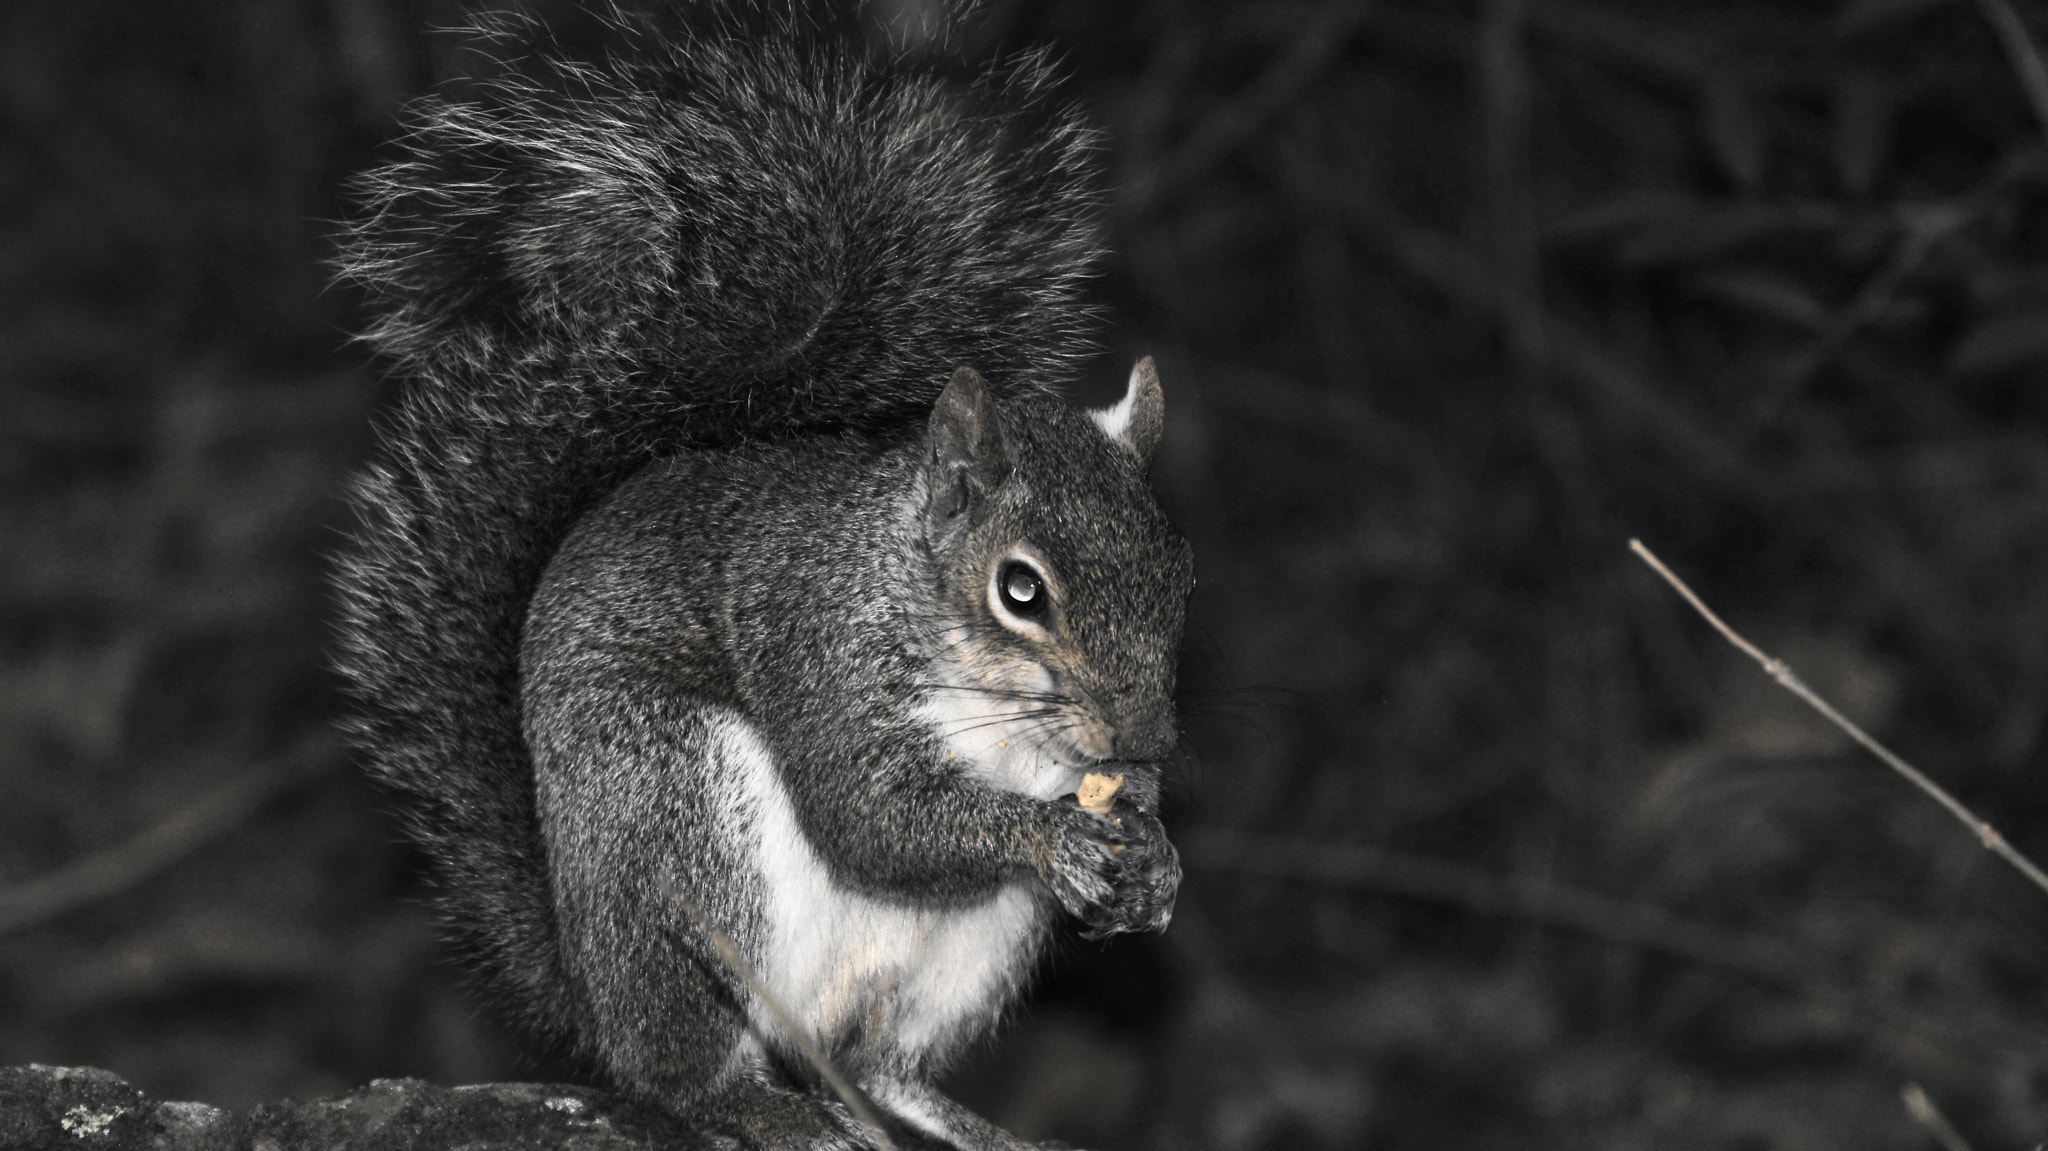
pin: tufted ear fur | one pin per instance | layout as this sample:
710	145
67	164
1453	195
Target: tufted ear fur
1139	419
966	457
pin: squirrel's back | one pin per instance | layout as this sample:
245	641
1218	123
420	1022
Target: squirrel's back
689	240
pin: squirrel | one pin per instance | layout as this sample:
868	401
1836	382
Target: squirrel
730	572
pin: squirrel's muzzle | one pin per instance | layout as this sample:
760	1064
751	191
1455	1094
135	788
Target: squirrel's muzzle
1143	729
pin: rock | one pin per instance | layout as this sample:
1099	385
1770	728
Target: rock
93	1110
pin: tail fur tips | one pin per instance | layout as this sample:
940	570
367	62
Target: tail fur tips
724	213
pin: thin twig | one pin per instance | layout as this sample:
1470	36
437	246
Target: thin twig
1776	669
164	843
2019	48
855	1099
1929	1117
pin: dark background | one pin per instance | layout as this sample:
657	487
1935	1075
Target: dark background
1491	842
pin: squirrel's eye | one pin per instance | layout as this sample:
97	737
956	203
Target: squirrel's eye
1022	590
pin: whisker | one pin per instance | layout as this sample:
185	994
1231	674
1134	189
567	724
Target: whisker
996	692
987	723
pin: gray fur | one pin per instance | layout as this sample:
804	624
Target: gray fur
657	510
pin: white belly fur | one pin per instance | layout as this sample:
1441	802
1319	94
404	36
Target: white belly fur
840	961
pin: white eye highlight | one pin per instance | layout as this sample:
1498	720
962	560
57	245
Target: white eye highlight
1020	592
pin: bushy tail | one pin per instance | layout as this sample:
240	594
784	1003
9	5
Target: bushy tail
693	240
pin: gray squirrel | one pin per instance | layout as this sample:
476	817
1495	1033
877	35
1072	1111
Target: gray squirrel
730	564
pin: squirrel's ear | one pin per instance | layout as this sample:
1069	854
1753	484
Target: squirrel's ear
968	458
1139	419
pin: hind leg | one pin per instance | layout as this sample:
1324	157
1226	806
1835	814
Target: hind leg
645	856
766	1115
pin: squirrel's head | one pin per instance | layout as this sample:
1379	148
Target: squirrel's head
1061	585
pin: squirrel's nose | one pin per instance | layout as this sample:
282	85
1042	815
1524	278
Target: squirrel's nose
1144	732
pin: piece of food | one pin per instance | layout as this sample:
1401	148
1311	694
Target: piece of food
1098	792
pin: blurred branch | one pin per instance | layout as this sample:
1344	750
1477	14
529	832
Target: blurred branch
1679	55
1611	385
1504	163
1986	834
2019	48
1895	1025
1455	272
1602	917
1930	1118
1921	229
125	865
1239	119
1336	414
1160	88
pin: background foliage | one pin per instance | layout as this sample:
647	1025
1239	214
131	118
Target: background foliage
1490	842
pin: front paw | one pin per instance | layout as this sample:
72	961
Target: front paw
1146	879
1083	867
1115	872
